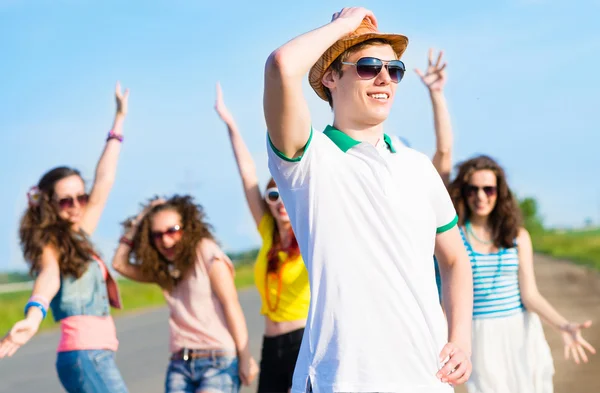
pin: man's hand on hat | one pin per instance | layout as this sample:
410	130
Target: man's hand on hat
352	17
435	75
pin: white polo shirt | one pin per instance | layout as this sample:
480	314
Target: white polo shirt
366	219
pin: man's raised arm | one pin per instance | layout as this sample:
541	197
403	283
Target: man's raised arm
286	111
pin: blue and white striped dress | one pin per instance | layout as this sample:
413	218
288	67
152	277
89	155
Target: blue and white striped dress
509	350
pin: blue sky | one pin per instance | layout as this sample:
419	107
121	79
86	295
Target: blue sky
522	87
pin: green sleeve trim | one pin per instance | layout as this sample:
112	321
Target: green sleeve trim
448	226
286	158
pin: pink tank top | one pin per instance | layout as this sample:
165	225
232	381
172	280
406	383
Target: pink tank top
81	332
197	319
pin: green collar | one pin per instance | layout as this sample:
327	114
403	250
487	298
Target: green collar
345	142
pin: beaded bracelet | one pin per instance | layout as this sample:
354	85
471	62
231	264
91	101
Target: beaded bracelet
127	241
112	135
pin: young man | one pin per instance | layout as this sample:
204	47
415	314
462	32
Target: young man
368	214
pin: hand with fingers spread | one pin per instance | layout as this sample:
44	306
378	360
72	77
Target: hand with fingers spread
575	343
457	367
18	336
435	75
353	17
122	99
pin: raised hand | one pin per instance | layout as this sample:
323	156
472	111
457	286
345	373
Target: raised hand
133	224
575	343
20	333
122	99
353	17
220	107
435	76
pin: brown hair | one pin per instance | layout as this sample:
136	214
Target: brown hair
505	219
152	263
42	226
336	65
293	250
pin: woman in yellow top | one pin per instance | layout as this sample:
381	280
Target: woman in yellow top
279	272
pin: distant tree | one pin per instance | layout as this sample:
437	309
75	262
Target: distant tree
243	257
588	223
531	217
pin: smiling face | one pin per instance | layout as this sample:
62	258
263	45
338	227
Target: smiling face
362	101
166	232
481	193
70	198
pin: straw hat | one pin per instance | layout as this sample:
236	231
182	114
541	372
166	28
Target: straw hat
364	32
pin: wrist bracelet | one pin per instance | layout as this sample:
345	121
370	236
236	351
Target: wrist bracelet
35	304
39	299
112	135
126	241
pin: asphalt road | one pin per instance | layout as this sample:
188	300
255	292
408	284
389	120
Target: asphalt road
142	357
143	351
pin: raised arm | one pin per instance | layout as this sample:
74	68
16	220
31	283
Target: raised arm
120	260
244	160
286	111
434	79
46	286
574	343
107	166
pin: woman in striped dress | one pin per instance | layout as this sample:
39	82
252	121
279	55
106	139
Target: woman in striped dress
510	352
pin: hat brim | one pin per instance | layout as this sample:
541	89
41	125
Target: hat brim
398	43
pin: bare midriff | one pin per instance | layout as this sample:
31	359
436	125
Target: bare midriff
273	328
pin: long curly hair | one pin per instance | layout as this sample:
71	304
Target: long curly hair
293	250
505	219
153	264
41	226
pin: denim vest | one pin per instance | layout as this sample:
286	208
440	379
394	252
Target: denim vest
89	294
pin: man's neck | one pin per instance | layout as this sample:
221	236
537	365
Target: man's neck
360	132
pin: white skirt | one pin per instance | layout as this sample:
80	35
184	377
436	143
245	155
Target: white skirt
510	355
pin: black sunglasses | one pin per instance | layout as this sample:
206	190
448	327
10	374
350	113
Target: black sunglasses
471	190
370	67
69	202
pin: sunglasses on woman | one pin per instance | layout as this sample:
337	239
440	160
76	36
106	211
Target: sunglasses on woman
171	232
69	202
272	196
370	67
471	190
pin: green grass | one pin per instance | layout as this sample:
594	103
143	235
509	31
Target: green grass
135	296
578	246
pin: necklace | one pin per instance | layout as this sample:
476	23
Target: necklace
470	232
276	275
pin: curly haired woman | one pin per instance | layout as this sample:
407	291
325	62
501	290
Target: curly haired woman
510	352
70	278
279	272
171	244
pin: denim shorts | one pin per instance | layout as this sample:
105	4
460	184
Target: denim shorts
214	373
89	371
